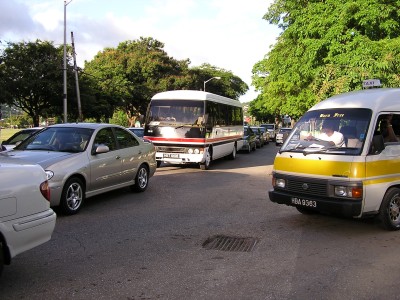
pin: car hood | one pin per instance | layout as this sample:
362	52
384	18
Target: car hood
43	158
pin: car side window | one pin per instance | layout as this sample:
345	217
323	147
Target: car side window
125	139
105	137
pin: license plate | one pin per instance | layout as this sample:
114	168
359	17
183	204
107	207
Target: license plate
304	202
171	155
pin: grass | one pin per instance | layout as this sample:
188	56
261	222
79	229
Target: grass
6	133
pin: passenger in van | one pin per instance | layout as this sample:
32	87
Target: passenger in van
386	129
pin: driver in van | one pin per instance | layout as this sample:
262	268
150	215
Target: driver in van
329	134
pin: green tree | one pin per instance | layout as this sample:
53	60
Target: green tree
325	48
31	78
229	85
132	73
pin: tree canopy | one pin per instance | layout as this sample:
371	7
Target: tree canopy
326	48
31	77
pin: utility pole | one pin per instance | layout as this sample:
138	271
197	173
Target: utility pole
65	61
78	94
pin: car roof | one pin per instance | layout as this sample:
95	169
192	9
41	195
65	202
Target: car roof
86	125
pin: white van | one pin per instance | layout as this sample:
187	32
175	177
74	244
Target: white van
357	174
26	219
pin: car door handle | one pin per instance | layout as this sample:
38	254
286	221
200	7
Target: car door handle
117	157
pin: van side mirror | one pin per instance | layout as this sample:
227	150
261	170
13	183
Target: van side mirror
378	144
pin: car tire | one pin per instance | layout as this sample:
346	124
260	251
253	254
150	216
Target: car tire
254	147
141	179
249	149
389	212
206	164
159	162
1	257
72	196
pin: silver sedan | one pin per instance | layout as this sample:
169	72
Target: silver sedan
86	159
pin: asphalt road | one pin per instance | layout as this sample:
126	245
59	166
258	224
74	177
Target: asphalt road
151	245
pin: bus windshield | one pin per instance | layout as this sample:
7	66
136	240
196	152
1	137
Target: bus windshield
333	131
176	113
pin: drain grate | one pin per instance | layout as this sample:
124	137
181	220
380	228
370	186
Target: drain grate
229	243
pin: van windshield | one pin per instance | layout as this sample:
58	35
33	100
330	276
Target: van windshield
338	131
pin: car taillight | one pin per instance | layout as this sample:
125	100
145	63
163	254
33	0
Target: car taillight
45	190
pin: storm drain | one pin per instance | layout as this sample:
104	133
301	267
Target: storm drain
230	243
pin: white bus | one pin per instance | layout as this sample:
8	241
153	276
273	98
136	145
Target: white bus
189	127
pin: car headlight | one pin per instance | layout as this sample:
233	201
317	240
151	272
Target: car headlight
49	174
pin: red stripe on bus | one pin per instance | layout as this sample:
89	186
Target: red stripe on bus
192	140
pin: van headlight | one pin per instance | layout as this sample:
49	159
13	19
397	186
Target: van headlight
279	182
348	191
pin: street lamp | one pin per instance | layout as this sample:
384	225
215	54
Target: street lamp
204	89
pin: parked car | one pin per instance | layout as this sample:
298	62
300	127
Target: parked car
139	131
249	140
86	159
260	141
26	219
19	137
265	134
272	129
282	135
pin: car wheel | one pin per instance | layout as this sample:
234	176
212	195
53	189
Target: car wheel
254	147
72	196
141	179
159	162
206	164
389	212
232	156
1	257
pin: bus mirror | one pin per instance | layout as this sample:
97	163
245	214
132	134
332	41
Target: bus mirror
378	144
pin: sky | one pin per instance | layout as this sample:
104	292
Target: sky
228	34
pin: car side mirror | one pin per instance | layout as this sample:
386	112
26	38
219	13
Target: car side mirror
100	149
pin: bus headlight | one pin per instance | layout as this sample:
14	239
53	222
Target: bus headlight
190	151
196	151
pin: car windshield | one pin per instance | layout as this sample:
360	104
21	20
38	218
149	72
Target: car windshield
19	136
63	139
333	131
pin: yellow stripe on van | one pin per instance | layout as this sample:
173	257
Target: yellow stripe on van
331	168
373	172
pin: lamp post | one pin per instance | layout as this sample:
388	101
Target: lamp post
65	61
204	89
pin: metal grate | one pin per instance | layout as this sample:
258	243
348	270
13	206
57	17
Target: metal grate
229	243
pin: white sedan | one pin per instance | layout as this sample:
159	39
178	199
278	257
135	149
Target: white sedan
26	219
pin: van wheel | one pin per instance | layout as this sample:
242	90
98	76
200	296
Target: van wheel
1	257
141	180
72	196
206	164
389	212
